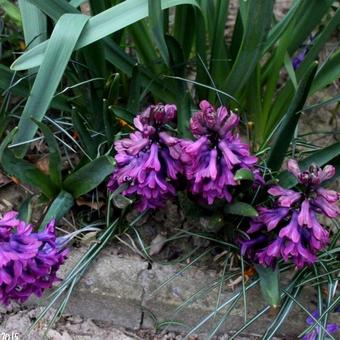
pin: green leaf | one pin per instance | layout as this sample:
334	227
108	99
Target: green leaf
60	206
27	173
281	27
328	72
125	63
55	8
58	53
157	28
241	209
25	210
23	170
123	114
184	115
55	160
184	28
134	100
270	284
259	17
286	132
21	88
110	123
100	26
76	3
290	70
34	23
219	57
11	10
85	137
309	15
177	62
243	174
319	158
6	142
89	176
283	97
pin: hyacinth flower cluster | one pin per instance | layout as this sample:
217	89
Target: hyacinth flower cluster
29	260
218	152
148	160
314	334
151	160
291	230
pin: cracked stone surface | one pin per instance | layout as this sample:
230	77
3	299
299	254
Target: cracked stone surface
115	289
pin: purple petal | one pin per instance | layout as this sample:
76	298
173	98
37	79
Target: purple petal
304	217
293	167
291	231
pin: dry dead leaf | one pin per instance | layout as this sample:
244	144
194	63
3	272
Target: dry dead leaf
91	204
43	164
157	244
4	179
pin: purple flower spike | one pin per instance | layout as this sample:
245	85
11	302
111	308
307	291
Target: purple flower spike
313	335
29	260
148	159
212	160
292	226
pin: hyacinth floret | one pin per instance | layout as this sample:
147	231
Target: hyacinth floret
29	260
291	229
217	153
148	160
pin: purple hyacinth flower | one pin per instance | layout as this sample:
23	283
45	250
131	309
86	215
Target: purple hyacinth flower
218	152
299	58
286	197
292	227
313	335
149	159
272	217
29	260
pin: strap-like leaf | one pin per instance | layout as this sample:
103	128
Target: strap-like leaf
89	176
269	283
58	53
27	173
59	207
286	131
55	161
241	209
328	73
157	28
100	26
34	23
259	17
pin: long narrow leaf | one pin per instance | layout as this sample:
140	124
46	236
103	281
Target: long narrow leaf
100	26
157	28
34	23
258	19
89	176
60	48
286	131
